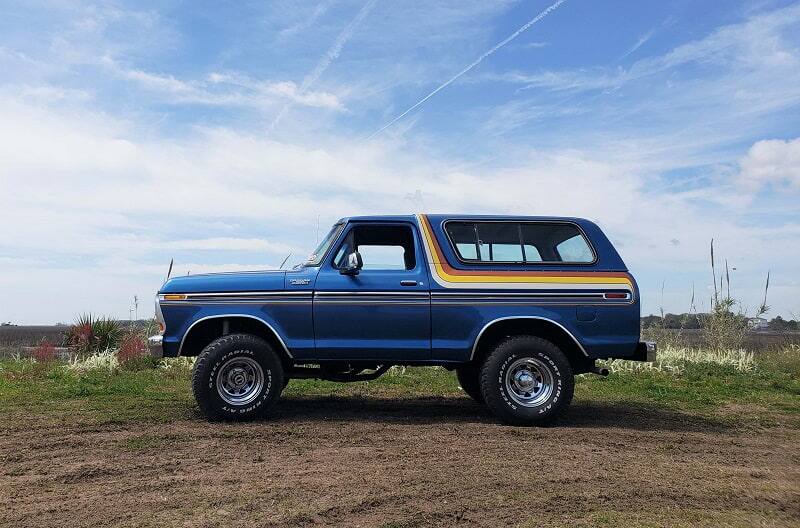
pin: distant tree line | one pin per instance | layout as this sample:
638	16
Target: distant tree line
695	322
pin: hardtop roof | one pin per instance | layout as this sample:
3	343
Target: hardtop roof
438	217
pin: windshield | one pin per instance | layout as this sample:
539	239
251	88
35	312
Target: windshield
316	257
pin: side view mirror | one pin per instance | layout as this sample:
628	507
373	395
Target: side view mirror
353	264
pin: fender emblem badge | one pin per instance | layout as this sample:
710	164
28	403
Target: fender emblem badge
299	282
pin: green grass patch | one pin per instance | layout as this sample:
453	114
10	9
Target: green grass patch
147	391
699	386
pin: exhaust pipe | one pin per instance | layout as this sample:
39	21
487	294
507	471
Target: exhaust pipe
599	371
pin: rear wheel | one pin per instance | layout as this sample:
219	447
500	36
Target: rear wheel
468	379
526	380
237	377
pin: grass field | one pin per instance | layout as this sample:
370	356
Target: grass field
697	440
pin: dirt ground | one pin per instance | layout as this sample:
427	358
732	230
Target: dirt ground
401	462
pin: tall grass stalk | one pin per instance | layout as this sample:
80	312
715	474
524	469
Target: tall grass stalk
726	326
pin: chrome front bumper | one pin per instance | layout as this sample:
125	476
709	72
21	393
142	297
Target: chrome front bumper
645	351
154	344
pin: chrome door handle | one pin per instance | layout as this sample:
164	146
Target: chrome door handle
408	283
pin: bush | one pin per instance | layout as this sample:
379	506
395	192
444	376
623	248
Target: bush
90	335
132	346
45	352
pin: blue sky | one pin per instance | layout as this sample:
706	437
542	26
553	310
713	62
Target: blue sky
222	134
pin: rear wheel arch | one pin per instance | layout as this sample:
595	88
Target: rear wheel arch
205	330
497	330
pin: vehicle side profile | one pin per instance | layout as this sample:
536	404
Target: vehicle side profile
516	306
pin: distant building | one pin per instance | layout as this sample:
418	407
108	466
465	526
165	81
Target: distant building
757	323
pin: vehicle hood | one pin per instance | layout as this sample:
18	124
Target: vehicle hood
226	282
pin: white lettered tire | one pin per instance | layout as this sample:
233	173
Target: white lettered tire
526	380
237	377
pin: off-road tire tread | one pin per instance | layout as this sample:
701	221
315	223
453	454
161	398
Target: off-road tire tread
492	397
202	364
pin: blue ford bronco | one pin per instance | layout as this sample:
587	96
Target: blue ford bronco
516	306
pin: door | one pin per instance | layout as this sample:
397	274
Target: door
383	312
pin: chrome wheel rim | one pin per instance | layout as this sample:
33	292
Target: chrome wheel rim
529	382
240	380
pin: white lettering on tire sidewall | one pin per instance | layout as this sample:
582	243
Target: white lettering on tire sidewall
232	409
557	382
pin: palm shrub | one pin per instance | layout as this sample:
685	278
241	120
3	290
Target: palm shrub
90	334
108	333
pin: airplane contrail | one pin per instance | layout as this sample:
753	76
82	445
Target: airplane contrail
327	58
474	63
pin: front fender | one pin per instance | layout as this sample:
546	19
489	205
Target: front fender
291	323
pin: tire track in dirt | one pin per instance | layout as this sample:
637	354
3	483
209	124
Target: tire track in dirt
415	462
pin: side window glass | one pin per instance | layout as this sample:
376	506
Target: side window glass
382	247
383	257
464	238
557	242
468	251
499	242
575	249
517	242
486	241
532	254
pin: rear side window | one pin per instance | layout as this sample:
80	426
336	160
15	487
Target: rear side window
519	242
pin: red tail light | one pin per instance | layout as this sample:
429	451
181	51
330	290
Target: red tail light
615	295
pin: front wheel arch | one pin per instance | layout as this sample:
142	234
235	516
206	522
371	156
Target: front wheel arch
205	330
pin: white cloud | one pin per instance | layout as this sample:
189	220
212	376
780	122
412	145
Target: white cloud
165	83
327	58
291	91
229	244
78	185
230	89
772	162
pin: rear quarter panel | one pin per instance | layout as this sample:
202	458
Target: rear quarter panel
466	298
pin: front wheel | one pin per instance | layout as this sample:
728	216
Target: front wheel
527	380
237	377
